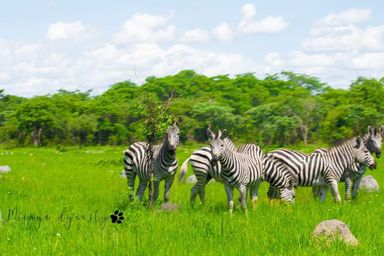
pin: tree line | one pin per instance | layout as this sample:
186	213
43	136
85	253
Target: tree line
280	109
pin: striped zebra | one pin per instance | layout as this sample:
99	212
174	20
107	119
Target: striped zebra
280	179
201	161
137	163
325	169
354	173
274	172
204	169
238	170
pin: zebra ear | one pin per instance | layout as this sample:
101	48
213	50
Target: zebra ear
371	130
381	130
179	121
358	142
219	133
225	133
210	134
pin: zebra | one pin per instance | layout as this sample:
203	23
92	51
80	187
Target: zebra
280	179
274	172
355	172
204	169
137	163
326	168
240	170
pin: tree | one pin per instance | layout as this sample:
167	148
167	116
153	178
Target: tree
38	116
219	116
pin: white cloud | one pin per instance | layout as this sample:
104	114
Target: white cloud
347	17
369	61
68	31
269	24
340	32
345	38
196	35
274	59
249	25
179	57
143	27
35	69
248	11
223	32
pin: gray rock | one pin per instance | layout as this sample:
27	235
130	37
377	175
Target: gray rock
5	168
191	179
330	230
368	183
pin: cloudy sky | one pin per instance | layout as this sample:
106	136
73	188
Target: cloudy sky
81	45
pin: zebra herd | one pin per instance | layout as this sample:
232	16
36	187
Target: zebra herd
244	168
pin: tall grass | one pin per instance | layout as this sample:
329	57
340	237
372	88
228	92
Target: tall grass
58	203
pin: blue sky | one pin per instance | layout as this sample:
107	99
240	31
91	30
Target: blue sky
53	44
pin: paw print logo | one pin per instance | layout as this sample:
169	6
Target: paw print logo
117	217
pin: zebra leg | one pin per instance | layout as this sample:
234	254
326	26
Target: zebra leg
355	186
254	192
334	190
141	189
272	192
348	182
316	192
201	188
229	191
194	191
323	190
131	176
167	187
156	189
243	197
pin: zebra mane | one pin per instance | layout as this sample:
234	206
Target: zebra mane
350	141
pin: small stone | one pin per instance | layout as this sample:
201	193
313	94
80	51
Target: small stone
5	168
335	229
369	184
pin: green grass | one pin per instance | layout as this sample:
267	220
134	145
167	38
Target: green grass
59	202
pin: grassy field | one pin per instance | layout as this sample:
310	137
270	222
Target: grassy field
58	202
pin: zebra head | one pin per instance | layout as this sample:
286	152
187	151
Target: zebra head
287	195
362	154
216	143
172	136
374	140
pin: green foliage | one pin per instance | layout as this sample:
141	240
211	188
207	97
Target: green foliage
282	109
156	119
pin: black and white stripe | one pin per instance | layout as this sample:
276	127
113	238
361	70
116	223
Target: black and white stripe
204	169
137	163
281	180
239	170
325	169
354	173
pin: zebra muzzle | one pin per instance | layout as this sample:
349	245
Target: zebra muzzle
372	166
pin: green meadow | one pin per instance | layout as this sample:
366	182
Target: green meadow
58	201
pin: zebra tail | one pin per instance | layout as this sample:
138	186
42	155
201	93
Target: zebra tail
183	169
